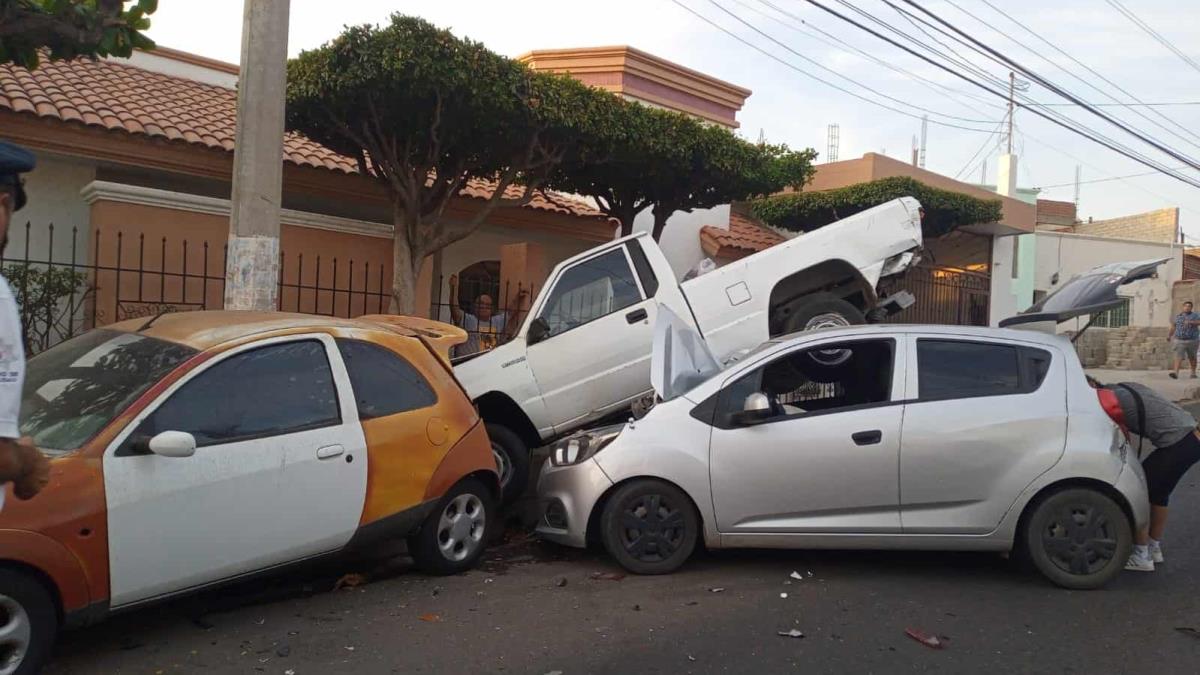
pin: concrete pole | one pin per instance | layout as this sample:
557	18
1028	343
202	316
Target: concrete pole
1004	250
252	268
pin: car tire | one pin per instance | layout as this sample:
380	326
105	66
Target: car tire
453	537
1080	559
650	544
28	622
512	461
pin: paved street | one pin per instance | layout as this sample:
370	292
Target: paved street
512	616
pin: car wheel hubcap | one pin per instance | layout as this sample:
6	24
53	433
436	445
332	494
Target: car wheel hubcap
503	466
1080	539
15	634
461	527
829	357
652	528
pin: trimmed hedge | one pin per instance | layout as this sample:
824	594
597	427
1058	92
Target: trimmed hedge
807	211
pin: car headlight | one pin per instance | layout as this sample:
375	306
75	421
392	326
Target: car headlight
898	263
581	446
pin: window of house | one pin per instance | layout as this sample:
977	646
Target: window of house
383	382
824	379
269	391
589	290
959	369
1117	317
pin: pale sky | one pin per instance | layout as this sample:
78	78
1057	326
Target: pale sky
788	106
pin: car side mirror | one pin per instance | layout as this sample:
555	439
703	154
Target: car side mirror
755	410
538	330
173	444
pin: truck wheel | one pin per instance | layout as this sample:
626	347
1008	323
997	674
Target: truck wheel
512	461
28	623
821	310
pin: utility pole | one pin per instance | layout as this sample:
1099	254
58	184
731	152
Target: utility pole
924	132
1078	169
983	173
832	138
252	263
1012	85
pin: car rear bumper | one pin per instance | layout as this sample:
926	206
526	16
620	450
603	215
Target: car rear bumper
567	496
1132	484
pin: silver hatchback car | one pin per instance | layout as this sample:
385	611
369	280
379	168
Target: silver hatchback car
878	437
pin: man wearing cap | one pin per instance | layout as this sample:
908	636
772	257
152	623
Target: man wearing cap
20	463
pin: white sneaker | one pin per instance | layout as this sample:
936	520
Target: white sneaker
1140	563
1156	552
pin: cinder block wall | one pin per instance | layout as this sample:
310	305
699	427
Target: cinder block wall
1160	226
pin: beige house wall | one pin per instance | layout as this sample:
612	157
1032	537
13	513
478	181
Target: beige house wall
1159	226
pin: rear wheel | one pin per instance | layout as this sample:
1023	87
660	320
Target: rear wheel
453	537
650	527
1078	538
28	623
512	461
820	310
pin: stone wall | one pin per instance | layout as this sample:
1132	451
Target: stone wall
1129	348
1159	226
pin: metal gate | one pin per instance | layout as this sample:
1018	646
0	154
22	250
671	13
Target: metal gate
945	295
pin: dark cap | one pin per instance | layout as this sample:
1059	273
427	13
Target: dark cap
14	161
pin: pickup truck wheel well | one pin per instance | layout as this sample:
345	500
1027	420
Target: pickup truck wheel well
497	408
835	277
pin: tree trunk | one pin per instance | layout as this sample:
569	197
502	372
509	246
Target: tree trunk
660	221
404	274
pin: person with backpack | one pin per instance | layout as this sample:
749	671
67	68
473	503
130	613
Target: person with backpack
1172	432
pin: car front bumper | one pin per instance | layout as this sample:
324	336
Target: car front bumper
566	497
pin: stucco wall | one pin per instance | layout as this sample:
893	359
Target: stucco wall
53	189
1069	254
680	241
1161	226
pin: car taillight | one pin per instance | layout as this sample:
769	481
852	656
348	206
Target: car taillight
1112	407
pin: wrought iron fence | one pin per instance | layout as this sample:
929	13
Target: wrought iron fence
490	313
944	295
73	282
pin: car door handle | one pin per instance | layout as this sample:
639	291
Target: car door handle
636	316
867	437
330	451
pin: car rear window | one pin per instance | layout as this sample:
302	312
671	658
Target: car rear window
384	383
950	369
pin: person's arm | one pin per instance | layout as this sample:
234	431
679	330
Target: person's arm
456	313
1171	333
24	466
514	314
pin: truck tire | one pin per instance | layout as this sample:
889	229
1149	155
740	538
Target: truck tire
821	310
512	461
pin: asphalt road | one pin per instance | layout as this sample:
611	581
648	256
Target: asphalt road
513	616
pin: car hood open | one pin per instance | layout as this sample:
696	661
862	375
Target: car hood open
681	359
1087	293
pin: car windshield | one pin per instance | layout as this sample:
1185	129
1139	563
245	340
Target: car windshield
74	389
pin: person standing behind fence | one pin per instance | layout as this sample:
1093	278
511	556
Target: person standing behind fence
484	328
1185	339
21	463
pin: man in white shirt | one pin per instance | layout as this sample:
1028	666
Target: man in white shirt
21	463
485	330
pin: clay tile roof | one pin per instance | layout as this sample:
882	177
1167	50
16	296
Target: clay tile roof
121	97
743	237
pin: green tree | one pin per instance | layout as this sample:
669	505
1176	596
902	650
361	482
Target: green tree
67	29
48	300
426	113
669	162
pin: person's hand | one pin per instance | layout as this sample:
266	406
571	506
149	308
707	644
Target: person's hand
453	283
522	295
37	470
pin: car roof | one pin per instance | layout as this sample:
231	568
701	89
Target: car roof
885	329
204	330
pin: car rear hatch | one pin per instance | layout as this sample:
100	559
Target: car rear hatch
1087	293
440	337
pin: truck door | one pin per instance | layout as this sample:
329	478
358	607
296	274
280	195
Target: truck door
594	356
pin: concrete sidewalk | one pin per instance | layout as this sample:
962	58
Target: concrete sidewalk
1183	389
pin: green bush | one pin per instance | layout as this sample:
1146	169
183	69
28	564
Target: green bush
44	302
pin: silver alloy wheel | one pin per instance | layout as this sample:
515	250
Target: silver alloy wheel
503	466
461	527
829	357
15	635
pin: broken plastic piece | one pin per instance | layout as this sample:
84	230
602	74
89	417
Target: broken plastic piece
783	595
924	638
797	576
793	633
607	576
717	589
430	618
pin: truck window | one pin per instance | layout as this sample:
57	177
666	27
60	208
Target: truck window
590	290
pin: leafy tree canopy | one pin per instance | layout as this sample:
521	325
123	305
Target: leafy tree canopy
68	29
944	210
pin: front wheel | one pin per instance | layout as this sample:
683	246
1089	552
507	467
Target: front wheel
28	623
512	461
650	527
453	537
1078	538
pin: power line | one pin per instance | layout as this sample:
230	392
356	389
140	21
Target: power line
1058	90
1082	132
800	70
1099	180
1123	105
1154	34
986	142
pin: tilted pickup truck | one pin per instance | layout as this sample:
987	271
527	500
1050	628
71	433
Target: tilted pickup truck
583	351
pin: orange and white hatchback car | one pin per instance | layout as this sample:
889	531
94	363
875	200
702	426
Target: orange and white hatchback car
197	448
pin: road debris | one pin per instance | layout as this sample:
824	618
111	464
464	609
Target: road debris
350	581
283	651
430	618
691	658
793	633
560	581
924	638
783	595
717	589
289	671
797	576
607	576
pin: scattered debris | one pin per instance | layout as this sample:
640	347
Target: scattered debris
1188	630
691	658
692	603
350	581
261	621
637	608
560	581
349	649
283	651
555	672
797	576
488	580
793	633
810	573
430	618
289	671
783	595
607	576
924	638
718	589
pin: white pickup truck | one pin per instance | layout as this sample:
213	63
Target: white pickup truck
583	351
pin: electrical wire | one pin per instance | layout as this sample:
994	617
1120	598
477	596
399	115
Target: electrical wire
986	142
1099	180
1154	34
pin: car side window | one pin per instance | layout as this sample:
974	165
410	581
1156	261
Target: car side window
949	369
644	269
824	379
384	382
268	391
591	289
